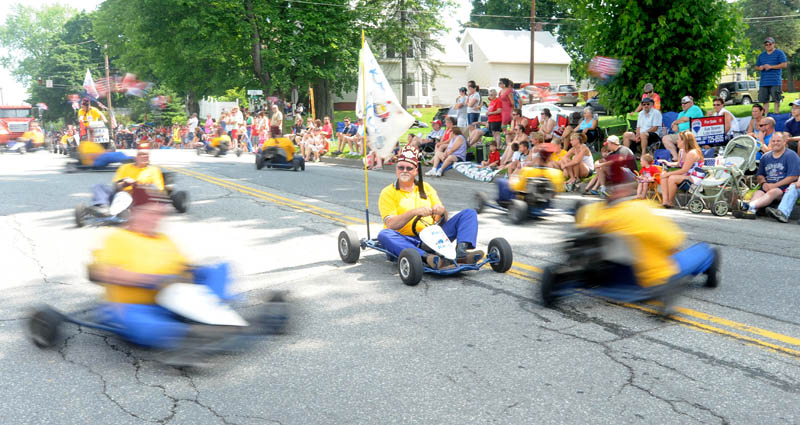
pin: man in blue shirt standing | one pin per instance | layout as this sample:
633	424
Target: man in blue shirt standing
682	123
771	63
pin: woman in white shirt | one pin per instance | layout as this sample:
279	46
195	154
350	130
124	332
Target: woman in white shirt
731	124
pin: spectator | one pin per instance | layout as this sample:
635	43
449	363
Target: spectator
648	126
588	127
649	94
578	163
460	109
690	162
777	170
506	96
327	128
473	104
764	135
348	131
436	134
209	124
248	122
731	125
793	128
276	122
494	115
547	124
456	150
520	158
515	138
682	123
191	124
758	114
494	156
771	63
615	153
237	116
646	176
593	187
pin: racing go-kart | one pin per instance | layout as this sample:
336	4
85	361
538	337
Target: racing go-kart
272	157
206	301
532	194
218	151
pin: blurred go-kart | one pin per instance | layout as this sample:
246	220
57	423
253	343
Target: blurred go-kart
278	153
532	192
217	148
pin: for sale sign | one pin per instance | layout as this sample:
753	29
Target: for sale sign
709	130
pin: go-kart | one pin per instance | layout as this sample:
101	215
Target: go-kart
120	205
221	150
22	146
534	189
594	259
203	302
409	263
271	158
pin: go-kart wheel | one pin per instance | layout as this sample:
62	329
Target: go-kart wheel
71	167
720	209
518	211
295	164
238	152
578	205
259	162
712	274
80	212
349	246
409	265
43	327
180	200
274	318
695	205
501	250
199	151
22	150
480	201
548	282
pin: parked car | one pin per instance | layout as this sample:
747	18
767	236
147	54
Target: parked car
738	92
442	113
567	94
525	97
594	102
572	113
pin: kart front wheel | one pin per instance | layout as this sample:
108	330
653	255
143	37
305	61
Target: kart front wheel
480	201
180	200
712	274
500	249
518	211
80	212
43	327
548	283
259	162
238	152
349	246
199	151
274	317
409	265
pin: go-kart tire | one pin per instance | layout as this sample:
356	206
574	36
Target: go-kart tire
274	318
295	166
180	200
518	211
695	205
502	250
547	286
480	201
578	205
409	266
259	162
349	246
720	209
22	150
199	151
71	167
80	212
712	274
43	327
238	152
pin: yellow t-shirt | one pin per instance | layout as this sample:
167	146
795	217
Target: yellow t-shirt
283	143
215	142
93	114
134	252
148	175
88	151
65	139
518	181
652	239
36	137
395	202
557	156
176	135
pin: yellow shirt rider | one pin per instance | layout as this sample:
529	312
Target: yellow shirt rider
284	143
140	173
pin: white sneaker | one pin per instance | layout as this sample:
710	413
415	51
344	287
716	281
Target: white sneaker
438	173
431	172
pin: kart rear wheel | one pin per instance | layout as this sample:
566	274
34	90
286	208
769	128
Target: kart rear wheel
480	201
500	248
409	265
180	200
349	246
720	209
259	162
295	165
80	212
43	327
518	211
695	205
199	151
548	283
712	274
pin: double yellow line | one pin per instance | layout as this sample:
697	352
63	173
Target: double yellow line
740	331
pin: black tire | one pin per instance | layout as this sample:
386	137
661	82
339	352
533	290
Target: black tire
746	100
712	274
518	211
501	248
274	317
480	201
80	212
349	246
578	205
199	151
180	200
43	327
724	94
409	266
547	285
259	162
295	165
238	152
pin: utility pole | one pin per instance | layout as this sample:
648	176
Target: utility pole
403	60
108	83
533	37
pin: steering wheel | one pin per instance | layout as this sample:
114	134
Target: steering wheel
427	221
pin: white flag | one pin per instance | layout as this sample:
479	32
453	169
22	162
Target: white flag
386	120
88	85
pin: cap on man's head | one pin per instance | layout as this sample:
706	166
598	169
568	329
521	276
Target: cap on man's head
612	139
648	100
463	89
687	99
648	88
437	122
796	102
769	40
85	101
409	154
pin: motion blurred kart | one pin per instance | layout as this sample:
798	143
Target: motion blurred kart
592	257
533	188
122	202
29	142
434	241
203	302
216	151
272	155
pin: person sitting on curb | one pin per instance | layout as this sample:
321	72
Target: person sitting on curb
682	123
764	136
777	170
614	151
405	200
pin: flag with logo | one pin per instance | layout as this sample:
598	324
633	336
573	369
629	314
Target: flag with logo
88	85
385	119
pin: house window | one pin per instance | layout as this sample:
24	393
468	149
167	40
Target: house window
410	84
390	54
424	84
469	51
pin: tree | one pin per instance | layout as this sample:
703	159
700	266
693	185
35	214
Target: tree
680	46
786	32
512	14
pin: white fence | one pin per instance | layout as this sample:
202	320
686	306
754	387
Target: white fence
214	107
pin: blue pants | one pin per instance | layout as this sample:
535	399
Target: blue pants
788	200
692	261
102	194
504	192
104	159
462	227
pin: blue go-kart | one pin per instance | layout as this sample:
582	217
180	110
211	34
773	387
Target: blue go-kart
273	157
206	301
600	264
409	263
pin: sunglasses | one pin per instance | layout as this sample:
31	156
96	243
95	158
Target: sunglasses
648	92
767	44
406	168
762	125
684	103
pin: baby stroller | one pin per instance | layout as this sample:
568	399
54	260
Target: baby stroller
725	183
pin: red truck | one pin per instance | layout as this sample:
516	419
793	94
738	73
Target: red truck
14	121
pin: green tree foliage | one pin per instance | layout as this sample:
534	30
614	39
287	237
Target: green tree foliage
680	46
513	14
785	31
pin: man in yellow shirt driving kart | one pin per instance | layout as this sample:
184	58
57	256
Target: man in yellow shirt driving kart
140	172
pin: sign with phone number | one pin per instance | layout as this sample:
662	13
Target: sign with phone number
709	130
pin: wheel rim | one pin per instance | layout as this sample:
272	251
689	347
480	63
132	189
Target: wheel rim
344	247
405	267
494	251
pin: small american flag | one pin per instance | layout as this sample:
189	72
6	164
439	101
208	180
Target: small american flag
604	67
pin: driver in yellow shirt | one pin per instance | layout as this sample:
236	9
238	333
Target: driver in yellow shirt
140	172
33	138
407	207
284	155
220	142
88	114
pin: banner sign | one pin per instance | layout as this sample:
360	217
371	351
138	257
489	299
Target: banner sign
709	130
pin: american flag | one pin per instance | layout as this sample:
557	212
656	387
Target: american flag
604	67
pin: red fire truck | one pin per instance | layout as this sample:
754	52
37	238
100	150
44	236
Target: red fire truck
14	121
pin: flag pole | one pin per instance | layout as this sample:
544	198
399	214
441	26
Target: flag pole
364	127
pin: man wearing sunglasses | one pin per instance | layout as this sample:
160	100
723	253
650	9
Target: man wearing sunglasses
403	201
682	123
649	94
771	63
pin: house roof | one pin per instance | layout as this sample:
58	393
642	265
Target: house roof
452	53
501	46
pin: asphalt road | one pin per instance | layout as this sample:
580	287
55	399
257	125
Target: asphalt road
476	348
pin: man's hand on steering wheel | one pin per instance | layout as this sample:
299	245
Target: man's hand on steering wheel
439	210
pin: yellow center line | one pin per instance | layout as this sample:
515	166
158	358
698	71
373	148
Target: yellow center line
520	270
